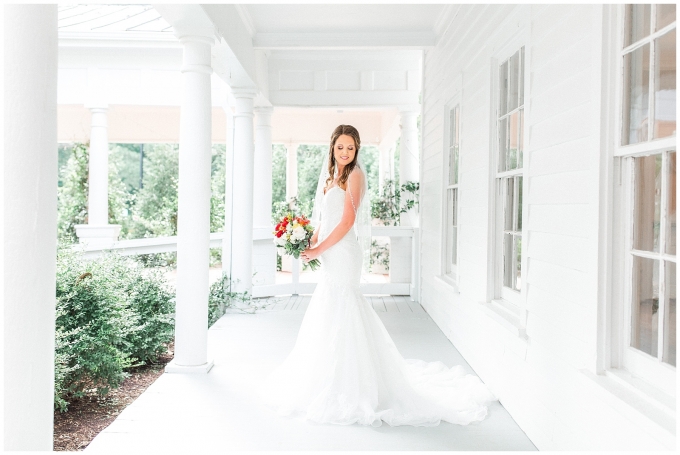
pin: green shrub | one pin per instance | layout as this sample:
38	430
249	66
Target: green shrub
380	254
155	211
72	195
153	302
95	320
222	297
112	314
389	205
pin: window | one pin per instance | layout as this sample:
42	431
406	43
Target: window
647	151
510	177
452	193
648	73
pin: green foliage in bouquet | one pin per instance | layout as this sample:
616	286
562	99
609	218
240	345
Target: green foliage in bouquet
292	235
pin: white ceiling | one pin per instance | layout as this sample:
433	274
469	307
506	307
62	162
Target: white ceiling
312	18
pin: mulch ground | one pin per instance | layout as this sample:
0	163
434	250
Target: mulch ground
87	416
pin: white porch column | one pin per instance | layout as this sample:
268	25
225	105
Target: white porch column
287	262
98	231
264	250
30	224
291	171
262	202
244	162
401	248
409	158
193	223
228	193
385	164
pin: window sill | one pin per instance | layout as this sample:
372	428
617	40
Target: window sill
506	314
634	399
449	281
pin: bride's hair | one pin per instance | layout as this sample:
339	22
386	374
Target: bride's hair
349	130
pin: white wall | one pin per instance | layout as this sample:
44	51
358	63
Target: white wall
30	224
541	379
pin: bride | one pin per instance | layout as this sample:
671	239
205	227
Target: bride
345	368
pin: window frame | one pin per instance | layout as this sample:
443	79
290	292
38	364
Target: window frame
450	269
621	354
512	302
452	279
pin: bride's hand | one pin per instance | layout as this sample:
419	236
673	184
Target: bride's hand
310	254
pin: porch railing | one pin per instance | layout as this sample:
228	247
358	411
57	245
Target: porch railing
168	244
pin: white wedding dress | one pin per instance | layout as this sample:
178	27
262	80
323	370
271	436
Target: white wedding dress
345	368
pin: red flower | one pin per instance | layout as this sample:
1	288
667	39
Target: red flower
279	234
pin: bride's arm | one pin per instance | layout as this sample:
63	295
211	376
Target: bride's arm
348	215
315	236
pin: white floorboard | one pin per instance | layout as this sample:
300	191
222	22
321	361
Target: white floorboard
221	410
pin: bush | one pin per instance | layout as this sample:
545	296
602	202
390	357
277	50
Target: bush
222	297
155	211
111	314
94	318
72	195
380	254
389	206
153	302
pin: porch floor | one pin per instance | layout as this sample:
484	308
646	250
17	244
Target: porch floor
221	410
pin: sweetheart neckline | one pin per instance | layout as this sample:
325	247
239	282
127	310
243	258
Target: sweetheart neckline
334	187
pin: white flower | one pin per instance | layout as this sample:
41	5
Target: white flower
289	227
299	233
280	241
281	251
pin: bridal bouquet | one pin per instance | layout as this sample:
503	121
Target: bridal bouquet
293	235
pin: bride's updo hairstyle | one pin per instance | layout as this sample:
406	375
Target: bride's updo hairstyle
348	130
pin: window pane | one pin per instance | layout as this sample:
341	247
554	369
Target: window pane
520	148
638	23
509	204
664	86
645	309
635	96
518	262
454	246
454	206
454	228
519	203
449	233
456	157
521	77
670	226
503	92
452	178
507	260
665	14
513	141
646	214
669	317
513	82
452	127
456	126
502	144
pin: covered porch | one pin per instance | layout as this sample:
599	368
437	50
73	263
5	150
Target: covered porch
221	411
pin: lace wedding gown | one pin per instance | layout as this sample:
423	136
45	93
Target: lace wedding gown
345	368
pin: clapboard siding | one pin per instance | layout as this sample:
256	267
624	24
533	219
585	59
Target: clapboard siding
565	251
539	378
565	188
566	157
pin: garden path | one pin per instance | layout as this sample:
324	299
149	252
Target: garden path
221	410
